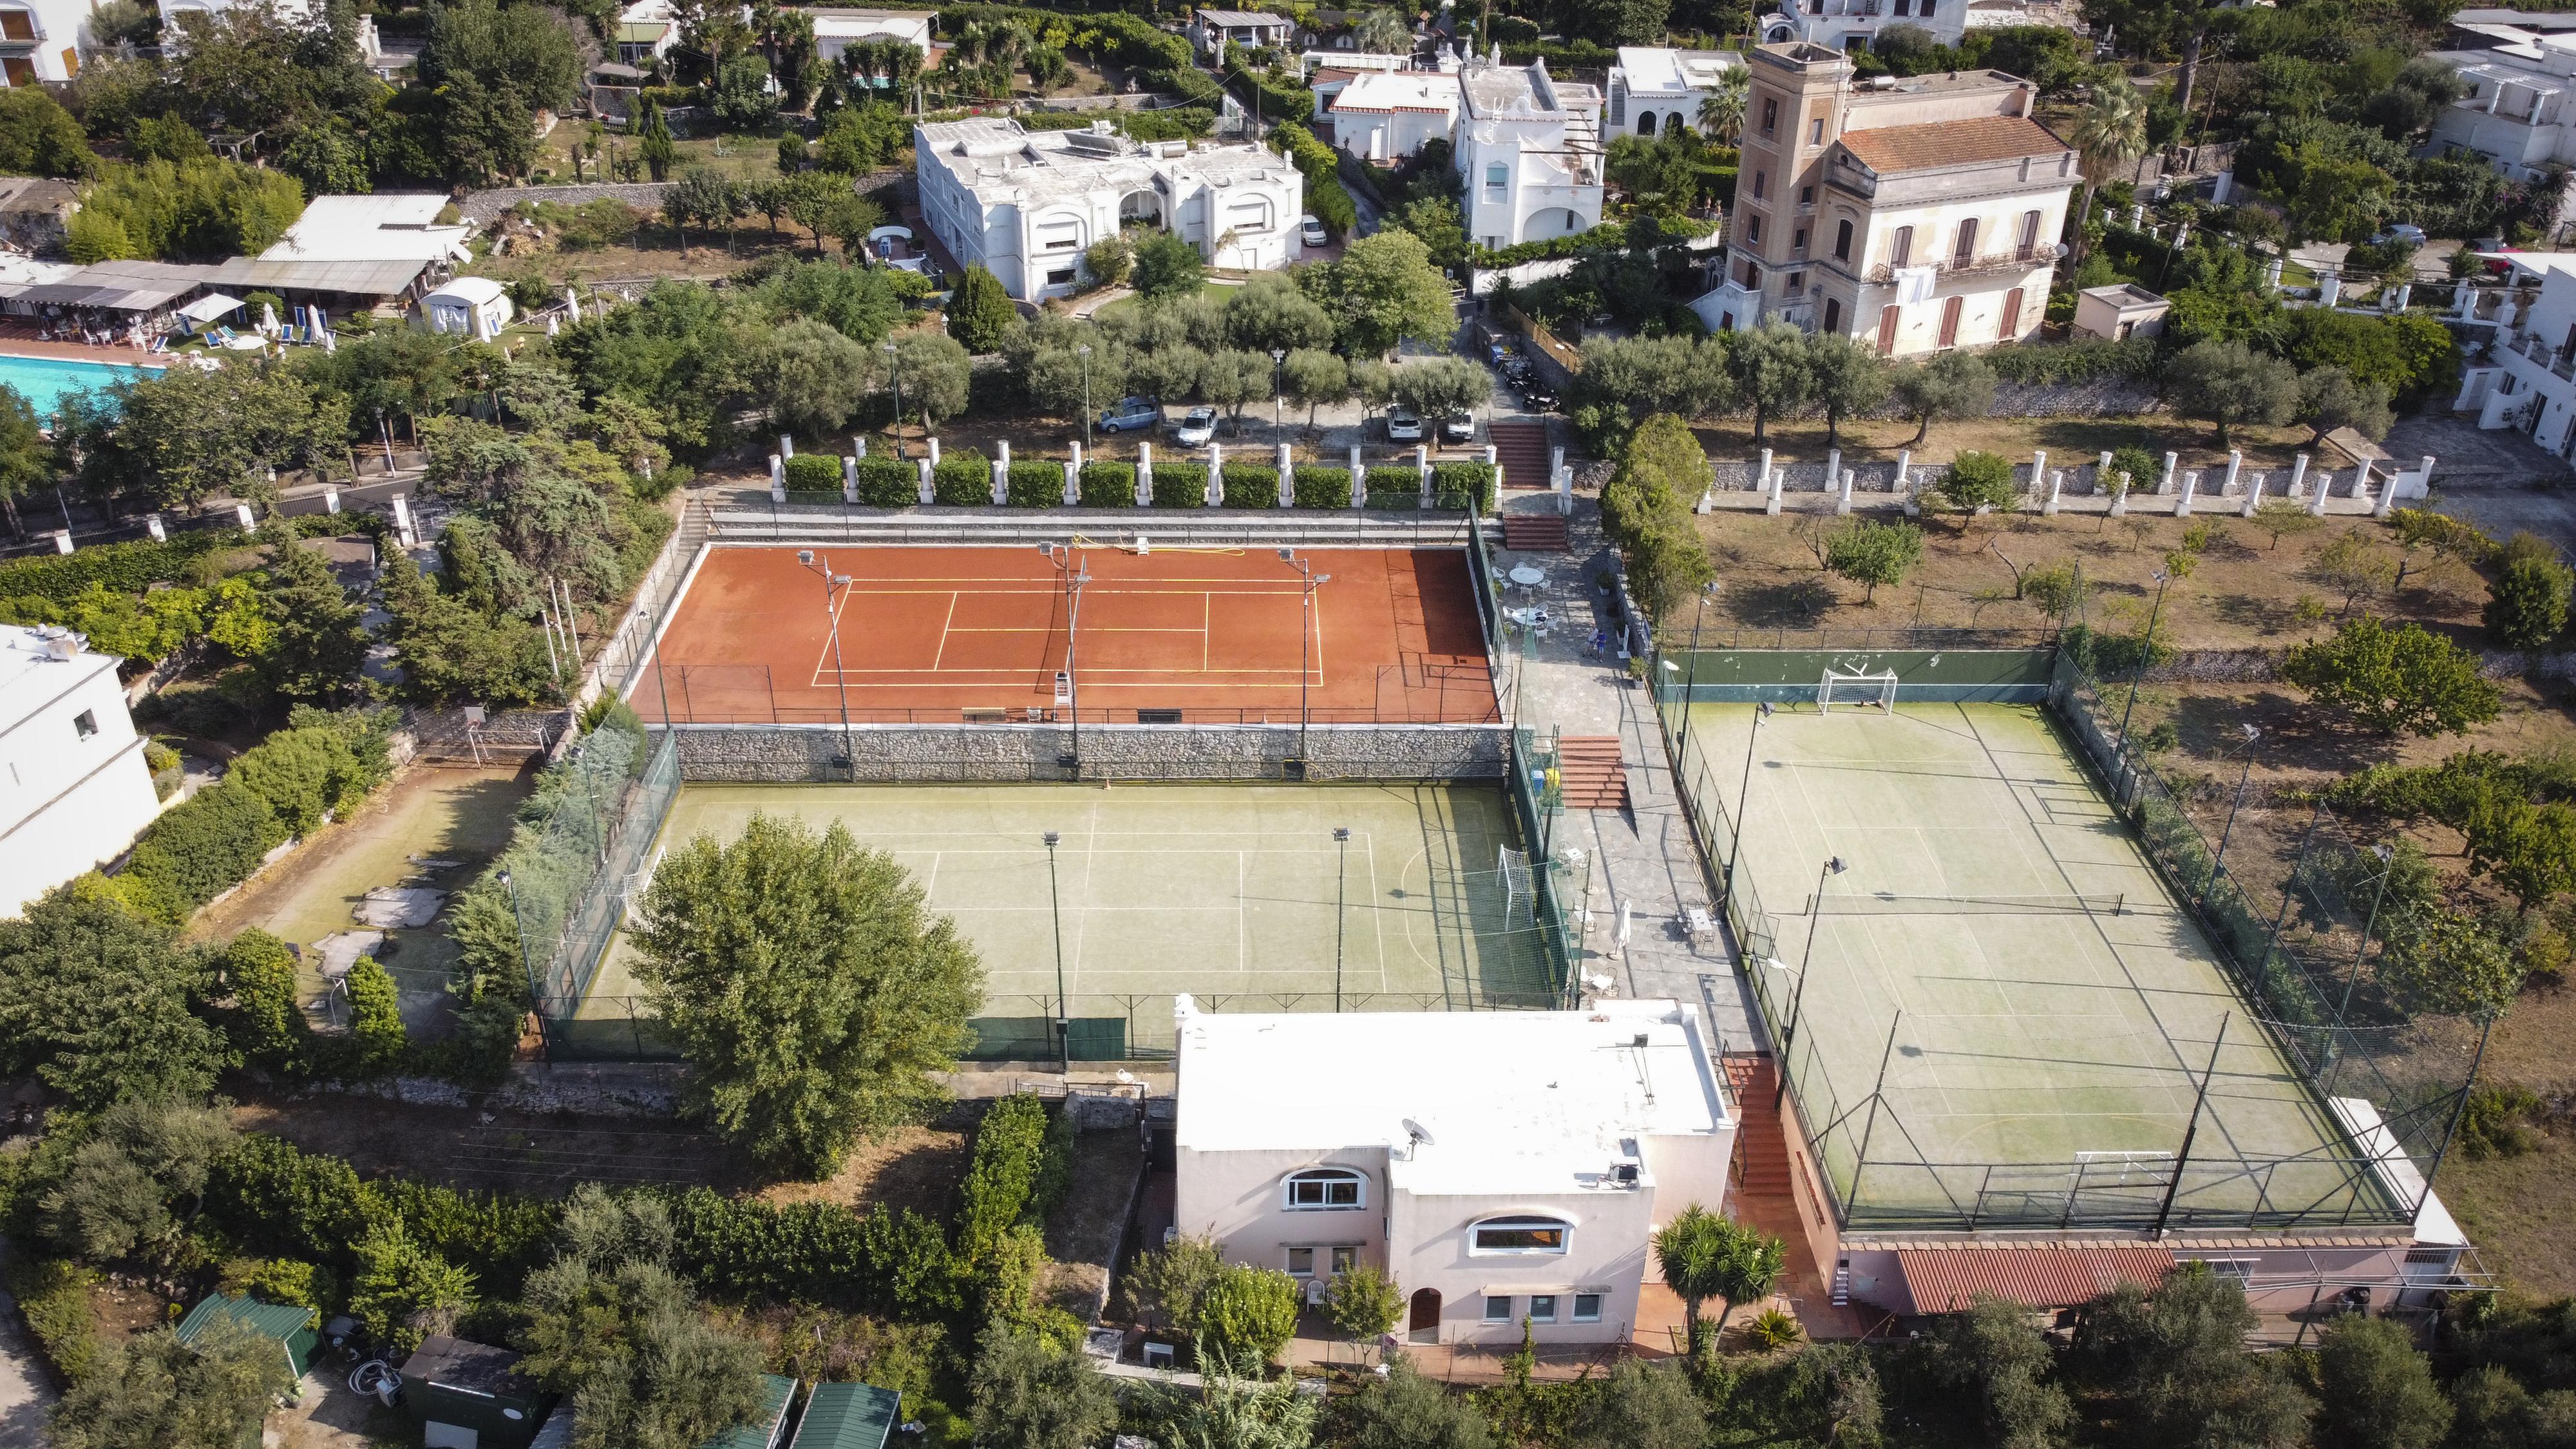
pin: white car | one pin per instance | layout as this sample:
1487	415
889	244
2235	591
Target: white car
1196	428
1403	425
1311	232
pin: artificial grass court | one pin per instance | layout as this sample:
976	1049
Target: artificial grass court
1231	892
2058	1008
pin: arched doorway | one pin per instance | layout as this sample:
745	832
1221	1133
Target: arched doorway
1673	124
1554	221
1645	123
1140	208
1423	1325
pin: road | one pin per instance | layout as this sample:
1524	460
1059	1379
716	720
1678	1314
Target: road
26	1395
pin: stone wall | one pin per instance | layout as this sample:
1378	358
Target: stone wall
480	207
1004	752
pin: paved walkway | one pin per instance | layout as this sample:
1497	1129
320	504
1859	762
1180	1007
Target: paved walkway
1642	857
26	1394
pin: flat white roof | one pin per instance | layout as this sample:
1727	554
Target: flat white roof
1240	18
1512	1101
400	228
473	291
1664	70
30	675
1407	90
912	25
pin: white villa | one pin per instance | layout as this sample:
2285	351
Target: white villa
2527	379
1656	91
1382	115
74	788
837	30
1529	148
1211	31
1025	204
1501	1166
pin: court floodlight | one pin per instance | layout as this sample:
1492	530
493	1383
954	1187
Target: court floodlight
1287	555
805	556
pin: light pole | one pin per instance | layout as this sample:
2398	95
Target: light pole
1744	794
1084	352
1278	367
1305	645
1341	838
2246	768
2146	649
833	584
1063	1014
894	371
1073	577
1815	917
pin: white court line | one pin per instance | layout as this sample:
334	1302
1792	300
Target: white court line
943	632
1377	918
1242	925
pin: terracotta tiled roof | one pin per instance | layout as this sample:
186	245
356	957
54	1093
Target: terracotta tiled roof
1951	143
1946	1280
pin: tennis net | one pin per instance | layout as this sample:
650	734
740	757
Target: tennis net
1896	905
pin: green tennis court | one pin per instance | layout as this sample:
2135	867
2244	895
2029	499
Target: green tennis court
2000	955
1239	894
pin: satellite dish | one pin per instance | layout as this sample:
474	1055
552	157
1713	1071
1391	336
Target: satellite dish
1418	1133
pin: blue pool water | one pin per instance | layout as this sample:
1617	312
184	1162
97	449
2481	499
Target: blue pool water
42	381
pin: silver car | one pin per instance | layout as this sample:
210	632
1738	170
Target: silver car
1195	428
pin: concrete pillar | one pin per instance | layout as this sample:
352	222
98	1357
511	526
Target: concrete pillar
330	500
2102	473
2235	464
1762	472
2190	485
402	521
2056	486
2398	299
1144	475
1564	486
62	540
2120	497
1072	481
2165	485
2254	496
925	478
849	480
1842	505
2272	274
859	445
1777	478
934	451
2038	470
2299	476
1904	460
1287	479
777	480
786	446
1422	470
1833	466
1216	474
152	525
1359	479
2329	287
1001	473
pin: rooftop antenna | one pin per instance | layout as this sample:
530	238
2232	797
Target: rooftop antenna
1421	1136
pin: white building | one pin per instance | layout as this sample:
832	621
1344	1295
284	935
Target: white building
1529	149
647	29
1501	1166
2520	110
1025	204
41	40
1654	91
1917	215
74	788
837	30
1211	31
1383	115
475	307
356	252
2527	379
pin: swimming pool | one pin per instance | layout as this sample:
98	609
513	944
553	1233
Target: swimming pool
42	381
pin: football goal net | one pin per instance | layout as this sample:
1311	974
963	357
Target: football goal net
1514	869
1858	687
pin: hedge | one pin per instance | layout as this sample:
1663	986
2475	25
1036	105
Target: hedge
1323	487
212	841
1467	486
962	480
1249	485
54	1294
274	1198
1180	485
888	483
2091	360
127	568
813	473
1401	478
1036	485
1108	485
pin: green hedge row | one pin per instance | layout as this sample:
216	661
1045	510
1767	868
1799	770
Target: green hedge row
1036	485
1108	485
889	483
813	473
2094	359
54	1294
962	480
126	568
1180	485
1391	478
1250	485
1464	485
274	1198
1323	487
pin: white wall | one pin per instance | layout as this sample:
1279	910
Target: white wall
1606	1254
69	801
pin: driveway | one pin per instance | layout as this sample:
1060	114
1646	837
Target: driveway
26	1394
2497	479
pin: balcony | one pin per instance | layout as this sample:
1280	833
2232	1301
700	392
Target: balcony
2532	349
2018	259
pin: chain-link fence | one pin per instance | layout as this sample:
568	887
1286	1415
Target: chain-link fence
571	893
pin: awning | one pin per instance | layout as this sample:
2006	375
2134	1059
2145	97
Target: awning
1947	1280
209	307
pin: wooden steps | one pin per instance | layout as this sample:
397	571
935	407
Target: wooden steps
1590	774
1535	533
1761	1150
1521	448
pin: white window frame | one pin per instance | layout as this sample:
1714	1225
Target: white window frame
1498	180
1490	1315
1359	1185
1550	1300
1476	1232
1595	1315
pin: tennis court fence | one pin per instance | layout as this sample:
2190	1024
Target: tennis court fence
1412	691
570	894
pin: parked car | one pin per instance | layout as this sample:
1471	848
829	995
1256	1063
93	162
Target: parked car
1131	412
1538	397
2405	233
1403	426
1312	233
1458	428
1195	428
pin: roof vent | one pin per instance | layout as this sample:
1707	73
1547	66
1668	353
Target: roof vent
1638	1041
60	644
1624	1173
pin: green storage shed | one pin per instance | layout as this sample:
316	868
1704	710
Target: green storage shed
286	1323
848	1416
767	1429
471	1395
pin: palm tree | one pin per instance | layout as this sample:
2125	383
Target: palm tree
1383	32
2112	133
1703	1256
1721	111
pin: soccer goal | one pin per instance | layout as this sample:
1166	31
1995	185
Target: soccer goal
1513	868
1857	687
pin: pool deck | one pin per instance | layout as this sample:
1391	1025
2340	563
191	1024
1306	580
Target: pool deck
19	338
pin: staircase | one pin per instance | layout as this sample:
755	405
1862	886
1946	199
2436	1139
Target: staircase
1521	447
1589	773
1761	1151
1535	533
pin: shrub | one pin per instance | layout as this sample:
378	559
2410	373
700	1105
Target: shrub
1180	485
888	483
1323	487
198	850
375	1016
1249	1312
303	774
814	473
1250	485
125	568
1036	485
2086	361
962	480
1394	485
54	1294
2145	470
1468	486
1108	485
2527	607
1980	480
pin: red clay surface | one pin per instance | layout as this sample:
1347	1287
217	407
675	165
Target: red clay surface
940	635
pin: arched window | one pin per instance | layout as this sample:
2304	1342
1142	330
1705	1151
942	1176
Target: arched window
1326	1189
1495	1237
1842	241
1673	124
1645	123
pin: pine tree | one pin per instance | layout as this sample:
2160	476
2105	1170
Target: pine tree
981	314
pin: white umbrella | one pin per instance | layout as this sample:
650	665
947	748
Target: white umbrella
267	318
330	340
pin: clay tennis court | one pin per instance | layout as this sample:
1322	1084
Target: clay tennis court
940	635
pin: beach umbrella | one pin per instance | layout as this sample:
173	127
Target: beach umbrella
267	318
